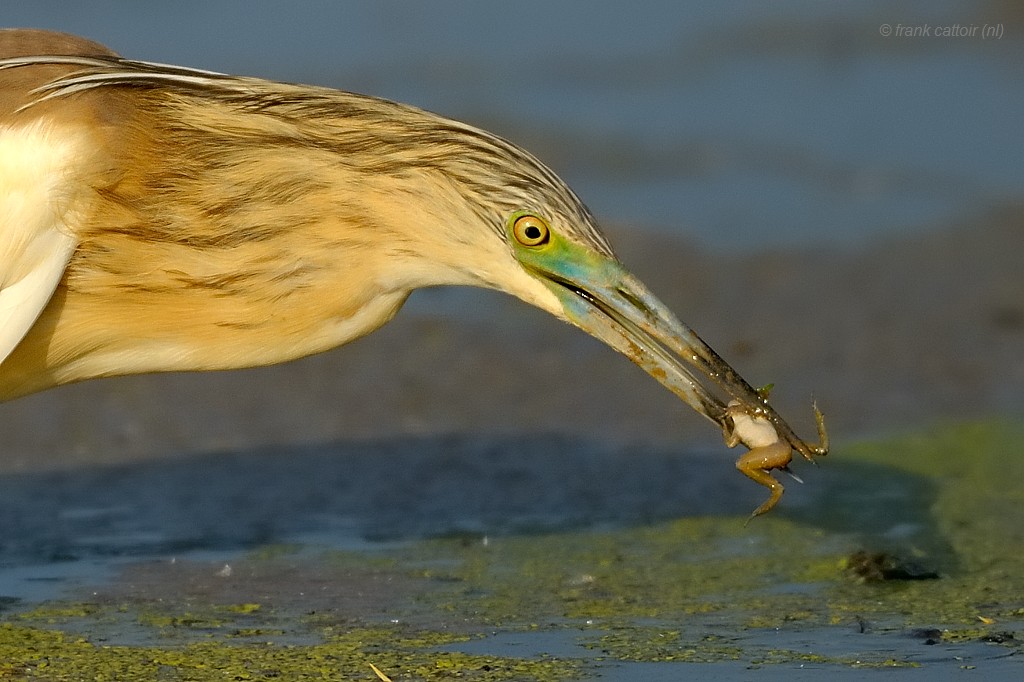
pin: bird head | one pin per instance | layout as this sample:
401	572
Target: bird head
518	228
589	288
477	209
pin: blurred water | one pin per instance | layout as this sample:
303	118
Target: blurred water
746	125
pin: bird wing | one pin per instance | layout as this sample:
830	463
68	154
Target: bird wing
35	243
37	198
39	190
29	274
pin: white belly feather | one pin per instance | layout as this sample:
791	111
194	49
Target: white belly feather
38	195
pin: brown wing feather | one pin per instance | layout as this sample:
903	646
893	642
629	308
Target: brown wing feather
17	84
23	42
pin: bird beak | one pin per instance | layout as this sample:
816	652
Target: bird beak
601	297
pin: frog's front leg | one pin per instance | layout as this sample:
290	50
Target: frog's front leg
757	465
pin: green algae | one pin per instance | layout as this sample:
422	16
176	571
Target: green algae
666	571
777	569
627	594
660	645
34	653
58	613
978	509
175	619
786	569
784	656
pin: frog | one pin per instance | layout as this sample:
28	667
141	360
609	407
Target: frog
767	450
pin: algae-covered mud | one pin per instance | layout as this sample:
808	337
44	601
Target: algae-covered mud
903	554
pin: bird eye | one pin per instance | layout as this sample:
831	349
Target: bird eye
530	230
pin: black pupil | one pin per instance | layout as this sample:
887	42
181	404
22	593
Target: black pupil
532	232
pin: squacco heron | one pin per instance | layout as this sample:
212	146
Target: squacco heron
156	218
